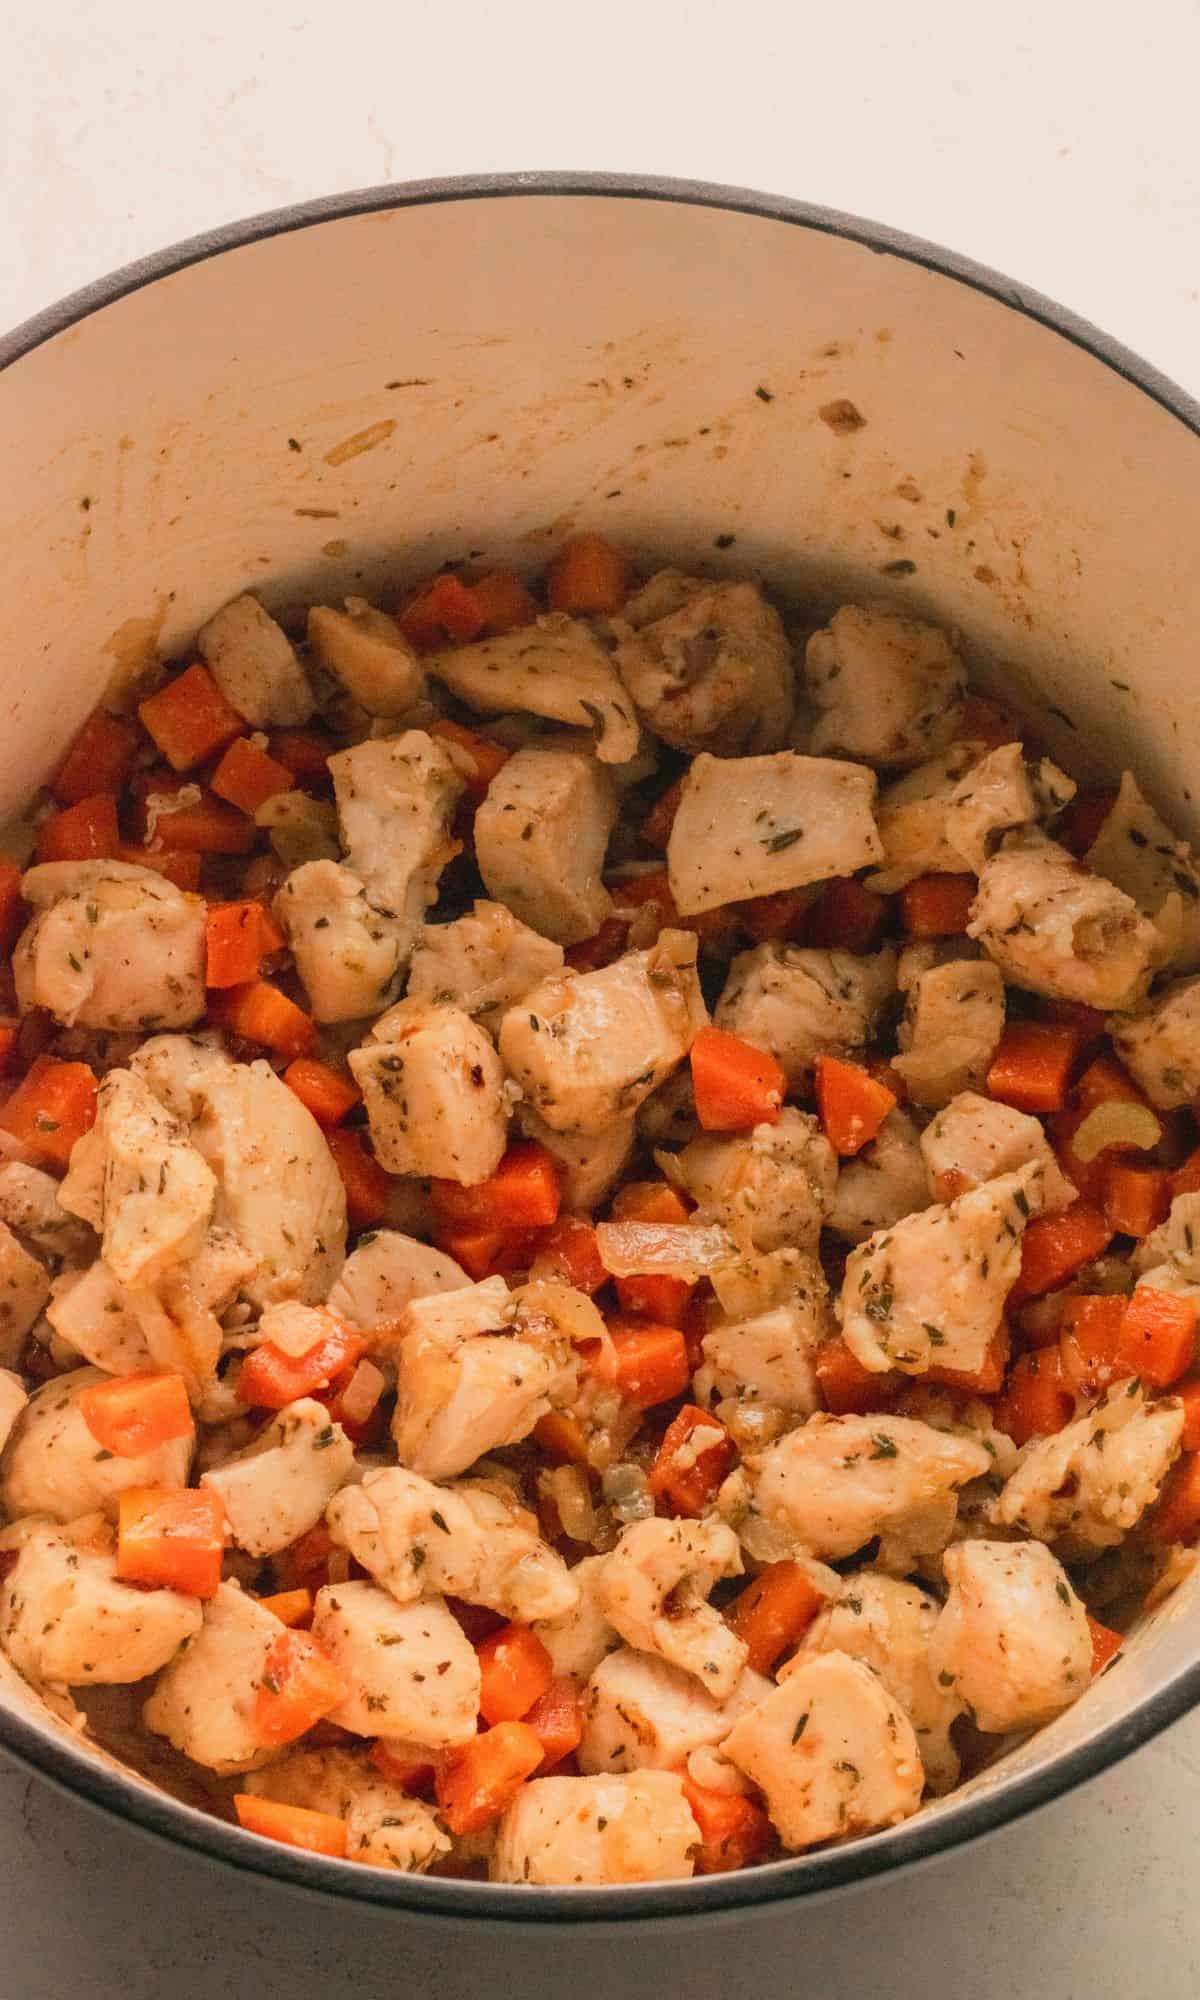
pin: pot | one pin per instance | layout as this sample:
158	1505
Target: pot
341	396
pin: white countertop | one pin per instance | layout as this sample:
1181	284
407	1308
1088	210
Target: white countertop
1054	139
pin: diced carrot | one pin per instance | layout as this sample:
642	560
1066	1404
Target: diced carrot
556	1719
648	1364
132	1414
1157	1336
84	832
259	1012
847	916
304	1565
354	1399
53	1105
1106	1644
10	1032
1176	1518
1080	825
515	1671
11	908
525	1192
368	1187
588	578
444	608
505	603
172	1537
984	721
411	1774
293	1826
99	760
567	1252
774	1612
1035	1401
235	940
649	1201
1033	1064
180	868
937	906
1106	1081
1054	1247
486	757
692	1460
782	915
561	1438
655	1295
734	1831
247	777
209	826
328	1095
847	1388
1189	1395
190	719
299	1686
1186	1179
852	1105
270	1378
1136	1198
476	1783
479	1251
607	944
736	1085
981	1381
656	827
304	754
291	1607
1089	1339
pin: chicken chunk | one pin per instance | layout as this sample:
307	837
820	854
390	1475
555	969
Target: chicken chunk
639	1714
368	653
832	1750
483	963
255	664
473	1541
577	1640
434	1091
110	946
66	1618
278	1190
385	1273
837	1482
1138	851
173	1066
140	1182
930	1292
885	1181
1159	1043
1003	791
53	1465
1083	1495
277	1489
974	1140
205	1701
753	826
299	827
607	1829
913	816
13	1399
1013	1638
888	1625
347	954
411	1669
953	1020
588	1048
97	1317
889	688
772	1187
708	665
1057	929
30	1207
556	668
24	1289
464	1383
396	797
384	1826
767	1357
800	1004
655	1590
541	835
591	1163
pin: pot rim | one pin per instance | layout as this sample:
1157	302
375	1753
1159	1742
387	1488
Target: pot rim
927	1835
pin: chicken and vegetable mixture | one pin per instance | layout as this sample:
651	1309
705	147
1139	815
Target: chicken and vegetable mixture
600	1225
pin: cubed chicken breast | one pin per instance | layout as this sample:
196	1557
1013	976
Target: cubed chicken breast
411	1669
1084	1495
464	1384
367	652
433	1087
541	835
753	826
66	1618
110	946
346	953
1012	1642
833	1752
578	1639
1159	1043
299	827
98	1318
1138	851
930	1291
255	664
889	689
139	1181
770	1188
1004	790
655	1591
206	1699
385	1273
277	1489
800	1004
483	963
173	1065
974	1140
556	668
595	1830
639	1714
913	815
385	1828
30	1207
1057	929
396	797
13	1399
708	664
53	1465
887	1180
24	1289
591	1163
953	1020
590	1047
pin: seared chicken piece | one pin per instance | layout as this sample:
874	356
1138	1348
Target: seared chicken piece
384	1826
577	1640
611	1829
66	1618
889	688
642	1715
255	665
752	826
368	653
974	1140
53	1465
1159	1043
396	797
110	946
411	1669
913	816
772	1187
1083	1495
800	1004
24	1289
541	835
434	1091
1003	791
556	668
385	1273
465	1383
1138	851
885	1181
1013	1639
277	1489
139	1181
655	1590
483	963
346	953
953	1020
1057	929
206	1699
707	664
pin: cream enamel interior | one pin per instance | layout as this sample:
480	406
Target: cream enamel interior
348	403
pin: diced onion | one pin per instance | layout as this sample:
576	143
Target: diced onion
688	1250
568	1487
362	1392
1116	1123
